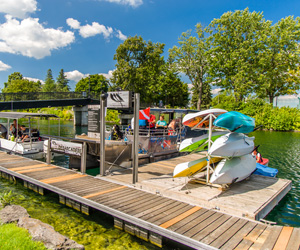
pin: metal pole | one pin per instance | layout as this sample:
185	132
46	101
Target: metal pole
49	151
102	133
136	138
209	144
83	158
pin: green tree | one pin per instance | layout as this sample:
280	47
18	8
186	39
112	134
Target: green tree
279	60
62	82
138	67
190	59
235	41
49	85
13	76
96	84
22	86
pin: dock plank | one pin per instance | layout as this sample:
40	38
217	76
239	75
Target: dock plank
283	238
294	242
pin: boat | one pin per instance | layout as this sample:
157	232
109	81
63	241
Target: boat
33	146
235	121
233	170
190	168
199	143
199	120
265	170
232	145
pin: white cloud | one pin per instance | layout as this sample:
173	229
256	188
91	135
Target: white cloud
108	75
29	38
75	75
3	66
216	91
94	29
120	35
34	79
18	8
133	3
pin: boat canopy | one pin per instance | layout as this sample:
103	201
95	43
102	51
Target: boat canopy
19	115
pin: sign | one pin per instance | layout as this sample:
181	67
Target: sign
69	148
119	99
94	118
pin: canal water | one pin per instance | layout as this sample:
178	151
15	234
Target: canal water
97	231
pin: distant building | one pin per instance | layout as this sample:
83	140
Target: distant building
292	101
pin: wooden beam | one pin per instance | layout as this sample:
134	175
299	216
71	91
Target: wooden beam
283	238
28	167
62	178
103	192
35	170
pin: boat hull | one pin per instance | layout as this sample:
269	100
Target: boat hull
233	170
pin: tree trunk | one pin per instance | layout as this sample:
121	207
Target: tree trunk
200	96
271	99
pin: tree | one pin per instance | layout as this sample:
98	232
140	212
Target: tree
235	41
13	76
138	67
95	84
22	86
62	82
49	85
190	59
279	60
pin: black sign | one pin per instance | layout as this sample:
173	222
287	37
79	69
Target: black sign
94	118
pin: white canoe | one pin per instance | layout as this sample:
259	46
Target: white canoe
195	120
234	170
232	145
192	167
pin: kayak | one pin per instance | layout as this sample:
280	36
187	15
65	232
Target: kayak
233	170
199	143
265	170
232	145
235	121
190	168
196	120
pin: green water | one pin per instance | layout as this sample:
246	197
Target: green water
97	231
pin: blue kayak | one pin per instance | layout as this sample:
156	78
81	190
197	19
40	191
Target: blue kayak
265	170
235	121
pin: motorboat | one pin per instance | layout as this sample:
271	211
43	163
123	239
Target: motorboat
33	145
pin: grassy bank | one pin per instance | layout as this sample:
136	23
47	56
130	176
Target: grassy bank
14	237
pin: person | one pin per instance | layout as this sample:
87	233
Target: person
161	123
13	128
172	128
152	121
116	134
257	155
24	133
3	131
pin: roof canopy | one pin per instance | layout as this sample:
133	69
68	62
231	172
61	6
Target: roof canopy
18	115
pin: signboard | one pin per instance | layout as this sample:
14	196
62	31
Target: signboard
119	99
69	148
94	118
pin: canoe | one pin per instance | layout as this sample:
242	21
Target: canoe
232	145
235	121
265	170
190	168
199	143
196	120
233	170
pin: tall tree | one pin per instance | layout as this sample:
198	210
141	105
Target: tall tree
138	67
279	60
190	59
13	76
62	82
49	85
95	84
235	41
22	86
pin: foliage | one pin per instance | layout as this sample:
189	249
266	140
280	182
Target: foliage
190	59
235	39
6	199
95	84
13	76
22	86
49	85
112	116
65	113
141	68
62	82
14	237
271	118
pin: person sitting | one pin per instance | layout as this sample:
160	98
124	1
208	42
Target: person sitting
257	155
116	134
171	128
24	133
161	123
152	121
3	131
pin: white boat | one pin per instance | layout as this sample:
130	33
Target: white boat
232	145
32	147
234	170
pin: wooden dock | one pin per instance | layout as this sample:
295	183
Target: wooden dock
253	198
146	215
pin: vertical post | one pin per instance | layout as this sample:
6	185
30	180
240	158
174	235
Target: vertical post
49	151
83	158
136	138
102	133
209	144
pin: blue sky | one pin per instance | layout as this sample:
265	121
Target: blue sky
81	36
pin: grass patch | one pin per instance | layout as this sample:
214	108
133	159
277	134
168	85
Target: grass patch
14	237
